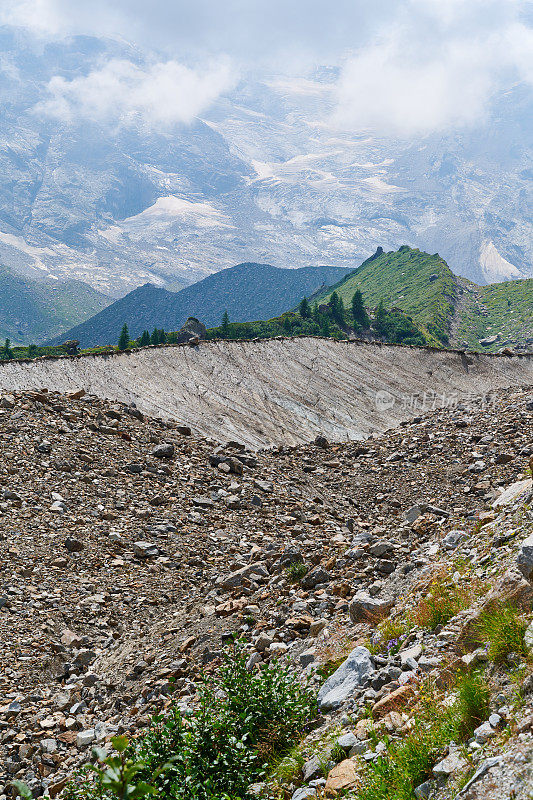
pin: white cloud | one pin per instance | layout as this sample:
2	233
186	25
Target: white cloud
409	67
119	92
436	67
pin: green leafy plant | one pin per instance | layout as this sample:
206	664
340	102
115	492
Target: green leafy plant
244	722
116	774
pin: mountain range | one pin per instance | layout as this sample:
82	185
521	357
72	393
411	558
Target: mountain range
247	291
263	176
447	309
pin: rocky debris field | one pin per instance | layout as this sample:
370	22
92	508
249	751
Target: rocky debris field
131	551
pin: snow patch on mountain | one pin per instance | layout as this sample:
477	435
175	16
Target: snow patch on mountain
494	266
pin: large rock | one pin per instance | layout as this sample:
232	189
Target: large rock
513	492
192	329
524	559
345	680
342	777
394	700
364	608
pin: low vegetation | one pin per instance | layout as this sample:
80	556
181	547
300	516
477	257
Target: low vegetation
406	764
244	722
330	320
501	629
443	601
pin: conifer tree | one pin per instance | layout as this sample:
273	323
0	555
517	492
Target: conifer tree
380	323
304	308
359	313
124	338
225	324
336	305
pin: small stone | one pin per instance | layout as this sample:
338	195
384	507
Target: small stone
263	642
73	545
483	733
165	450
307	657
412	514
393	700
342	777
424	790
314	577
311	769
348	677
316	626
524	559
450	765
364	608
85	738
303	792
347	741
412	653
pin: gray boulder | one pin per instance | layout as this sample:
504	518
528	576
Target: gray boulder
192	329
165	450
345	680
524	559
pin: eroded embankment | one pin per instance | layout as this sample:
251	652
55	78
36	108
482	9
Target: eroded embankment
278	391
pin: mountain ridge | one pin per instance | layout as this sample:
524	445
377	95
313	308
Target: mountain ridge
246	290
31	310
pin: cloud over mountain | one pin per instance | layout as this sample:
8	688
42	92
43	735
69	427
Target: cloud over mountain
160	95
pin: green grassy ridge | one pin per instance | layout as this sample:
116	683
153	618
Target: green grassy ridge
402	280
509	308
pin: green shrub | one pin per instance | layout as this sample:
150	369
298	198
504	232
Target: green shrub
501	629
244	721
295	572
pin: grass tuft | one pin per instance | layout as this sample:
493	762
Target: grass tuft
501	629
473	702
443	601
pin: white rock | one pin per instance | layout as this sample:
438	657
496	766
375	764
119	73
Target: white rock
345	680
85	737
450	765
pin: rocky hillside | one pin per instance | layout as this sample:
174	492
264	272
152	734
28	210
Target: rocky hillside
278	391
135	549
247	291
495	316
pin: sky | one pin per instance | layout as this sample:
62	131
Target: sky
406	68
